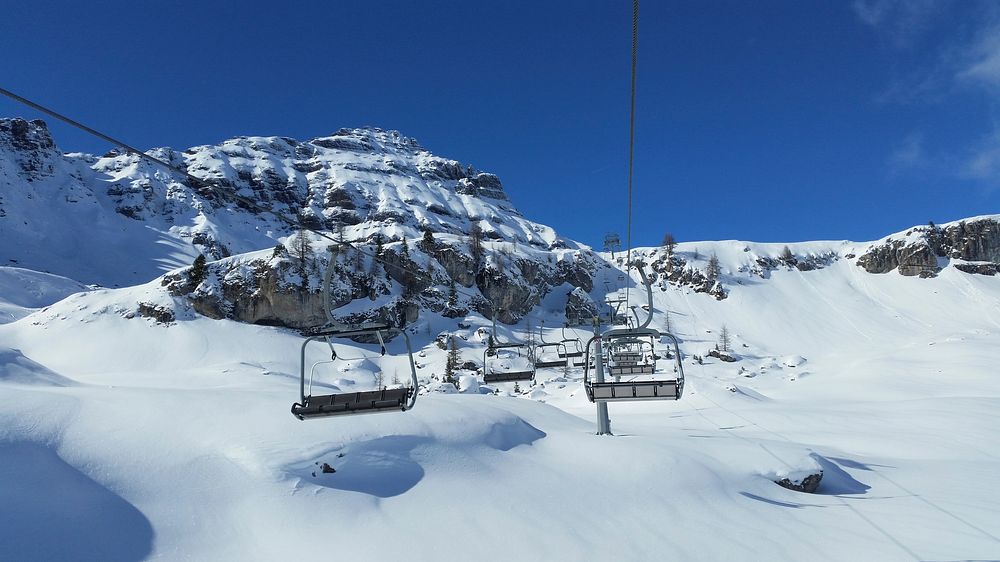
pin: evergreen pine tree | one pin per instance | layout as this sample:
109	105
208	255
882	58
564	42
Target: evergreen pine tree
714	270
451	363
786	254
198	271
476	244
669	243
452	294
724	340
427	242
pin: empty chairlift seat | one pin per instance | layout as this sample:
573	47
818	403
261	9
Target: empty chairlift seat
546	359
635	390
386	399
370	401
492	371
630	362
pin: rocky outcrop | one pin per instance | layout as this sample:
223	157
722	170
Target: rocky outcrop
917	251
31	143
914	258
676	271
361	180
285	290
808	484
763	265
979	268
580	308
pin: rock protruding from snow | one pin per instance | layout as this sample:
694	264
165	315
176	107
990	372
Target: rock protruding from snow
31	145
917	251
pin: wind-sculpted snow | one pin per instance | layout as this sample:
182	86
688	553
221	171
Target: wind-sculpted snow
52	511
18	369
25	290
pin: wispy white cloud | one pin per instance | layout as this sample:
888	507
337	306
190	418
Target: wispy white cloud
902	21
980	64
965	63
983	161
908	155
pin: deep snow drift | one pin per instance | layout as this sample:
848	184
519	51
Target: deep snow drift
122	438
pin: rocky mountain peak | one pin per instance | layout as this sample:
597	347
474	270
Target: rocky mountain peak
31	146
372	140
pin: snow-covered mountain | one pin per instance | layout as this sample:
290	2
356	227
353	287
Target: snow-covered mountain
78	213
151	420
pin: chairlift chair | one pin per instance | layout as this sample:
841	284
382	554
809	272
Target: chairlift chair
572	347
560	359
632	390
384	399
627	356
490	372
490	359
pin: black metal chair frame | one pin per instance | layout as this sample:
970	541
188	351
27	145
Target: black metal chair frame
365	402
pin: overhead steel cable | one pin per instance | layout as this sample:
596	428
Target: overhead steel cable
631	138
222	191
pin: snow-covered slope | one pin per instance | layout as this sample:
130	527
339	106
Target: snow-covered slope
175	441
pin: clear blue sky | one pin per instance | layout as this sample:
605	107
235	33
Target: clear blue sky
770	121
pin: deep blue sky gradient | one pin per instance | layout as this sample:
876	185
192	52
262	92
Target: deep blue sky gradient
770	121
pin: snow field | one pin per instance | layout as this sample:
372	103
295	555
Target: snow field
130	439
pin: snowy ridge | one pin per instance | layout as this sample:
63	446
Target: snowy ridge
90	210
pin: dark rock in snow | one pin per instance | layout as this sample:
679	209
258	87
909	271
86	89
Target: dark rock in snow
809	484
975	240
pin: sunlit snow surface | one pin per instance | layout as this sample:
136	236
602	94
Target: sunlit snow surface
122	439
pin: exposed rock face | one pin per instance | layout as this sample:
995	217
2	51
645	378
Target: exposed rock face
911	259
764	265
724	356
918	250
979	268
32	143
580	307
676	271
284	290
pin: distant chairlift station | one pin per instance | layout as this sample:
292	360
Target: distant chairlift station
381	399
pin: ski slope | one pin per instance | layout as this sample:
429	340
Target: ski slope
124	439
